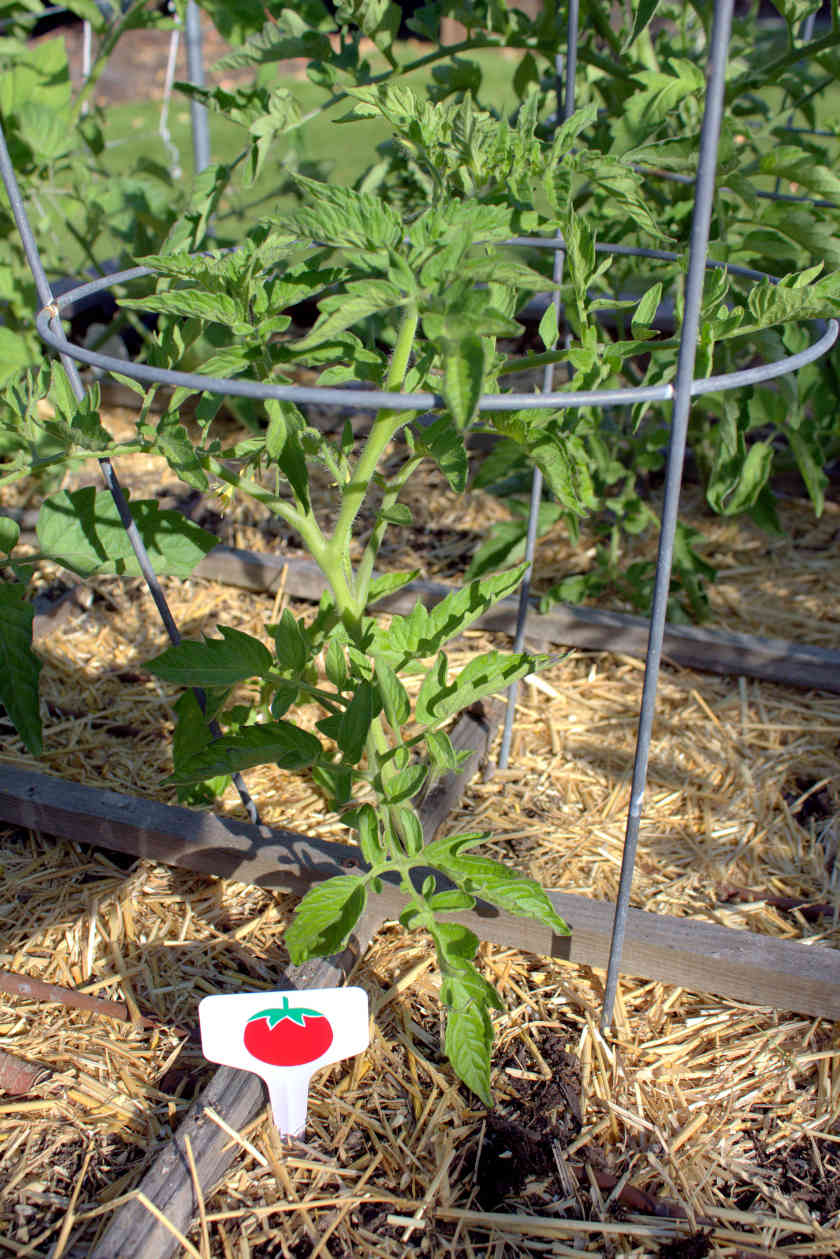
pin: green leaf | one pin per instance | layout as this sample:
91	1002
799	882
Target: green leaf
19	666
173	442
335	782
405	784
325	918
343	217
82	530
335	664
15	356
394	696
423	632
810	464
215	661
494	671
9	534
463	377
644	11
276	741
497	883
193	303
645	313
388	584
442	442
442	755
397	514
355	722
342	310
366	823
190	735
284	445
548	326
468	1044
290	643
409	826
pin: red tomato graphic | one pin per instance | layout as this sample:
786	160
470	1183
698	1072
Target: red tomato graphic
288	1037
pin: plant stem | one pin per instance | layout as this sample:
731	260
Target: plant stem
304	523
384	427
364	573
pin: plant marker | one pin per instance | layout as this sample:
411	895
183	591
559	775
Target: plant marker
285	1037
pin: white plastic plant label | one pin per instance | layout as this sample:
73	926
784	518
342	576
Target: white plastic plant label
285	1037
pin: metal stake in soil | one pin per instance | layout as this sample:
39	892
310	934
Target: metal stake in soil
704	194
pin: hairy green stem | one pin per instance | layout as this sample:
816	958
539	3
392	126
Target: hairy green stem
386	424
304	523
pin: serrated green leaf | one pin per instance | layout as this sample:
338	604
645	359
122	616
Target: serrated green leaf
286	428
343	217
423	632
343	310
277	741
405	784
389	583
82	530
394	696
19	666
410	828
193	304
548	326
290	643
335	664
173	441
442	755
439	699
215	661
497	883
354	724
463	377
442	442
325	918
468	1044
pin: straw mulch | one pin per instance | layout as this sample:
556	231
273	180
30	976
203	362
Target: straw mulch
701	1127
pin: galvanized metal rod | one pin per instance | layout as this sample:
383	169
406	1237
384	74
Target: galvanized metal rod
548	387
704	196
195	74
138	546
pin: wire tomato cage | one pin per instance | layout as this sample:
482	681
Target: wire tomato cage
678	393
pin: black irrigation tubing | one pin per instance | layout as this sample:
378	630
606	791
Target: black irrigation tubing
138	546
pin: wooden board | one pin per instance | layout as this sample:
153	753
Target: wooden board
712	651
683	951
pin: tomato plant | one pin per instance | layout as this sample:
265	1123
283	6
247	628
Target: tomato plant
289	1036
418	290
